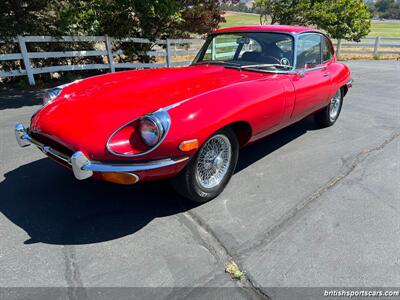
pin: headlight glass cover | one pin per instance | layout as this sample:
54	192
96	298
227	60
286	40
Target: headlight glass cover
150	130
51	95
54	92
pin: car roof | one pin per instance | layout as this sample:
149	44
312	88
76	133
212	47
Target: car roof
277	28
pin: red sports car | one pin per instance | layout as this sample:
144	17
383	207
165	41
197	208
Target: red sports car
189	123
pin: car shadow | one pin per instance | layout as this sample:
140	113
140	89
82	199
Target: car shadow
16	98
52	207
254	152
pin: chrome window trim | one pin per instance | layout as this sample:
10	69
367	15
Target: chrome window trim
292	34
295	37
320	48
324	37
161	117
302	71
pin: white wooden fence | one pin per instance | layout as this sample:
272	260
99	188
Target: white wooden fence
370	45
168	49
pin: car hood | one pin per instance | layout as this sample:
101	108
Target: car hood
86	113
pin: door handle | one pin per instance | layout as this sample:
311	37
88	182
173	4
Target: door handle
326	74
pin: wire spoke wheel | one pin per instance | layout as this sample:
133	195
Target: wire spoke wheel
207	174
334	106
213	161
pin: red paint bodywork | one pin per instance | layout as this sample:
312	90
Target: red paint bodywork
277	28
86	113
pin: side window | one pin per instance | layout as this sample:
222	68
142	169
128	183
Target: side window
327	52
308	51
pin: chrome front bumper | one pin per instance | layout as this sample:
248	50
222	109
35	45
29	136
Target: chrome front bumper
83	167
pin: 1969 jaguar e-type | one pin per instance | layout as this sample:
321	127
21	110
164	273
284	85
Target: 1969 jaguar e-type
189	123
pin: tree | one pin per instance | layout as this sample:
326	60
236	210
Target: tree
289	12
388	9
199	17
120	18
152	19
342	19
23	17
346	19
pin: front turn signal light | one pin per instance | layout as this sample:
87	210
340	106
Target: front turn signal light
189	145
120	178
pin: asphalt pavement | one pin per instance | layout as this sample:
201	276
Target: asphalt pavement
307	207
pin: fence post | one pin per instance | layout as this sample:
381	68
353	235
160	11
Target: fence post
25	58
168	53
213	50
110	53
376	46
338	46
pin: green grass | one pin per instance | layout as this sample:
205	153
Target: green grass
378	28
233	269
240	20
385	28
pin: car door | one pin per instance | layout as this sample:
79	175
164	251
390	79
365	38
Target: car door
312	80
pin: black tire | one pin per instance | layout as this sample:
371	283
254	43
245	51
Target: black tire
323	117
187	183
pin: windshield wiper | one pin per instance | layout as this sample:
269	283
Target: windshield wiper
259	66
214	62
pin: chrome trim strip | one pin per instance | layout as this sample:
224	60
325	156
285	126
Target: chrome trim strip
57	154
205	93
83	167
302	72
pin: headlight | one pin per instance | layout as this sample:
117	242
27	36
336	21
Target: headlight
151	130
140	136
51	95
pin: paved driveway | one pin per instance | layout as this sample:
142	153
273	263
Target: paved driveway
307	207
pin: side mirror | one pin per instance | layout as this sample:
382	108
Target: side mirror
301	72
310	64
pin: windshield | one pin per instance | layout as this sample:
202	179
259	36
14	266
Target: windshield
248	49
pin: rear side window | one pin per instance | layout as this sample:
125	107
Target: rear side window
327	51
308	51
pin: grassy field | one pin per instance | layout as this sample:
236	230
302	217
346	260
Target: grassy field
237	19
385	28
379	28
